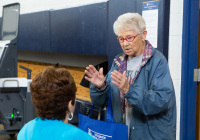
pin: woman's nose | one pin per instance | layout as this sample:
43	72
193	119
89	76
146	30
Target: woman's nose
125	42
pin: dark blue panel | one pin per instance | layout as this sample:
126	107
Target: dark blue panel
189	63
80	30
34	33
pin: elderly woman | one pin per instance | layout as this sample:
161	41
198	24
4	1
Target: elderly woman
53	93
141	87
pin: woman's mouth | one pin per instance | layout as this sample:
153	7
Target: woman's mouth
127	50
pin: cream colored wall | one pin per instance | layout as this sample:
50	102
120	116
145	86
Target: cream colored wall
29	6
175	52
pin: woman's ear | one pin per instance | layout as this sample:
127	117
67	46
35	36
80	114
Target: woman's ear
144	35
70	106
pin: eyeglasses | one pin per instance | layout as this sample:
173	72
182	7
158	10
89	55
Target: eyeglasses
129	39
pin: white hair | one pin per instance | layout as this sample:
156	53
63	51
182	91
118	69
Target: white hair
129	21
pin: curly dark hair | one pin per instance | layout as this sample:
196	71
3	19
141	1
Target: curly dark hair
51	91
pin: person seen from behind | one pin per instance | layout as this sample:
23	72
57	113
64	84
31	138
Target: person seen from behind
53	93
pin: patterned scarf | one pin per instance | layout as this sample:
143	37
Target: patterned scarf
121	63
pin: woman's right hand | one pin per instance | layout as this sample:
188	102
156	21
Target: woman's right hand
95	77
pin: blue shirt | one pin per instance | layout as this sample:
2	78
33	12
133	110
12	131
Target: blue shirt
46	129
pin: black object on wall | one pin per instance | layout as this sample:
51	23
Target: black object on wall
118	7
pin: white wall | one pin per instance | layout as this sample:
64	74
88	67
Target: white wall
175	51
29	6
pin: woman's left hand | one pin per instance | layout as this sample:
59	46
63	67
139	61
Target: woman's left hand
120	81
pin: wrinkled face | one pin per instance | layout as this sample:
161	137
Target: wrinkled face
133	44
